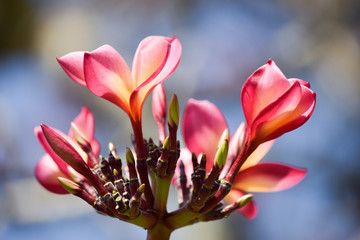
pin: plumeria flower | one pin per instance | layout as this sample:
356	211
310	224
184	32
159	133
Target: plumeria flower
51	166
273	104
159	110
202	128
107	75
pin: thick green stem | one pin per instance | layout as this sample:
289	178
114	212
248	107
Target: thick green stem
162	192
181	217
159	232
145	220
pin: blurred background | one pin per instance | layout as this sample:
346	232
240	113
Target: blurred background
223	43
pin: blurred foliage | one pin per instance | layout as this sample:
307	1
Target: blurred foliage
17	25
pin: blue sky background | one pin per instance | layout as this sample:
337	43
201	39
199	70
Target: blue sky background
223	43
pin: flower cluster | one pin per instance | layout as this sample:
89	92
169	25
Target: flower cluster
214	174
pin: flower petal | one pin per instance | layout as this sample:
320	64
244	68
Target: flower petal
249	210
262	87
288	120
236	142
44	143
159	110
70	155
108	76
268	177
302	82
257	155
300	115
47	172
276	114
155	60
65	150
150	58
85	122
73	65
202	126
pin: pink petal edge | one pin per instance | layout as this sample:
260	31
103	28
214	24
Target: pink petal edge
47	172
268	177
202	126
73	64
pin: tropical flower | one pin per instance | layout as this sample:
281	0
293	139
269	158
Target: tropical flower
51	166
107	75
202	128
159	110
273	104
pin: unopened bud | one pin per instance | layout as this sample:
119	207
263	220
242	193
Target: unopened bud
221	154
166	144
244	200
173	115
130	156
223	147
69	185
202	158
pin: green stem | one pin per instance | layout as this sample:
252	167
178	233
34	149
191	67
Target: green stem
159	232
162	192
145	220
180	217
153	182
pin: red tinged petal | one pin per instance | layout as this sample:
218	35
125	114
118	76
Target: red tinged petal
150	57
275	115
274	105
202	126
47	173
236	142
159	110
261	88
44	143
249	210
268	177
108	76
73	65
155	60
301	114
302	82
65	150
85	122
256	156
288	120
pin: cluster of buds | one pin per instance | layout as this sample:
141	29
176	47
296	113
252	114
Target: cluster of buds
213	174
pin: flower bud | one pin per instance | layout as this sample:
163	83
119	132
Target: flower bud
173	115
159	110
69	185
221	154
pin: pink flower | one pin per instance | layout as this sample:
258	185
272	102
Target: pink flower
51	166
107	75
202	127
159	110
273	104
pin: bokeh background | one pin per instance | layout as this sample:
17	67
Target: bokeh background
223	43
